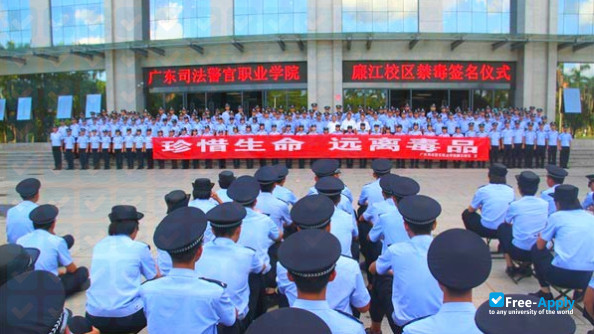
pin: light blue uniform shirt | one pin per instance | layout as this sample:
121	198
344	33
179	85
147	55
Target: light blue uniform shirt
415	292
337	322
389	228
182	303
373	212
495	136
541	138
572	231
274	208
18	222
507	135
346	192
553	137
565	139
56	139
53	250
284	194
545	195
205	205
588	200
69	142
452	318
258	232
493	201
528	217
224	260
344	229
518	135
348	288
116	269
530	138
164	261
222	193
371	193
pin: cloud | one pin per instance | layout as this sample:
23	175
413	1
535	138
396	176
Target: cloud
88	17
172	27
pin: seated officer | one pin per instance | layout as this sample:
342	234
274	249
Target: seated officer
289	321
491	321
54	250
348	289
588	203
460	261
267	203
372	192
15	260
415	293
17	217
39	298
174	200
280	191
226	261
373	211
181	302
328	167
204	199
555	177
493	200
225	179
311	268
571	229
524	220
343	224
117	267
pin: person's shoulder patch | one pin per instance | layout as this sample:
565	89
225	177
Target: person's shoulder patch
219	283
350	316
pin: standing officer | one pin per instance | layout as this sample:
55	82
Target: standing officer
530	146
56	141
460	261
541	145
69	143
147	149
54	250
118	146
118	264
138	147
507	137
565	139
129	146
82	149
224	260
552	144
555	177
518	145
182	302
311	268
496	144
105	148
18	222
415	293
493	200
95	143
588	203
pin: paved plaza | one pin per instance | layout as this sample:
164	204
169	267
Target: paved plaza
86	197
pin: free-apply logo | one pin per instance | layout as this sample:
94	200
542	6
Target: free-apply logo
510	305
496	299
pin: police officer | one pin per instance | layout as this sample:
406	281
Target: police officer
118	146
174	200
524	220
69	144
18	222
518	145
541	145
82	149
507	137
371	193
588	202
311	268
15	260
348	288
415	293
94	144
224	260
258	232
226	177
565	139
267	203
289	321
552	144
204	199
182	302
493	201
280	191
460	261
555	177
106	148
328	167
117	266
496	143
56	141
147	149
129	147
54	250
570	229
138	147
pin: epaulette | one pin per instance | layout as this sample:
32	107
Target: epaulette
219	283
349	316
484	185
152	279
250	248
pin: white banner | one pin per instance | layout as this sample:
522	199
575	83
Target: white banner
24	109
93	104
64	106
2	109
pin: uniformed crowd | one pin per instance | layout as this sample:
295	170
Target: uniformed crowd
225	257
519	137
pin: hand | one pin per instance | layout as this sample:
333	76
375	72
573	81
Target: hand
216	197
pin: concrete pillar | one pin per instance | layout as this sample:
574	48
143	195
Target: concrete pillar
41	32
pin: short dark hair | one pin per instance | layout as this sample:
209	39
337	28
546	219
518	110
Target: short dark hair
311	284
249	205
43	226
122	227
420	229
568	206
27	198
201	194
187	256
334	198
557	180
528	189
224	231
267	188
496	179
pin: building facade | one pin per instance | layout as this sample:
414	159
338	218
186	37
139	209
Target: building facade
204	53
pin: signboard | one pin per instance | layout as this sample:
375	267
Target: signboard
428	71
203	75
93	104
64	106
2	109
572	103
24	109
321	146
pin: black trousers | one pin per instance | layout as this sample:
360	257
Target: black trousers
289	163
494	154
428	163
547	273
517	155
222	163
564	159
130	158
381	301
140	158
540	156
529	156
195	163
414	163
472	222
84	159
150	162
236	163
69	157
349	163
507	155
257	292
105	156
552	154
174	164
57	157
443	164
95	156
75	282
185	164
505	236
119	158
161	163
133	323
249	163
208	163
301	163
362	163
237	328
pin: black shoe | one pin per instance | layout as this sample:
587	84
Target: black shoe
525	270
578	295
511	272
540	294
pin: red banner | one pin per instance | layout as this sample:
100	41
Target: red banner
322	146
